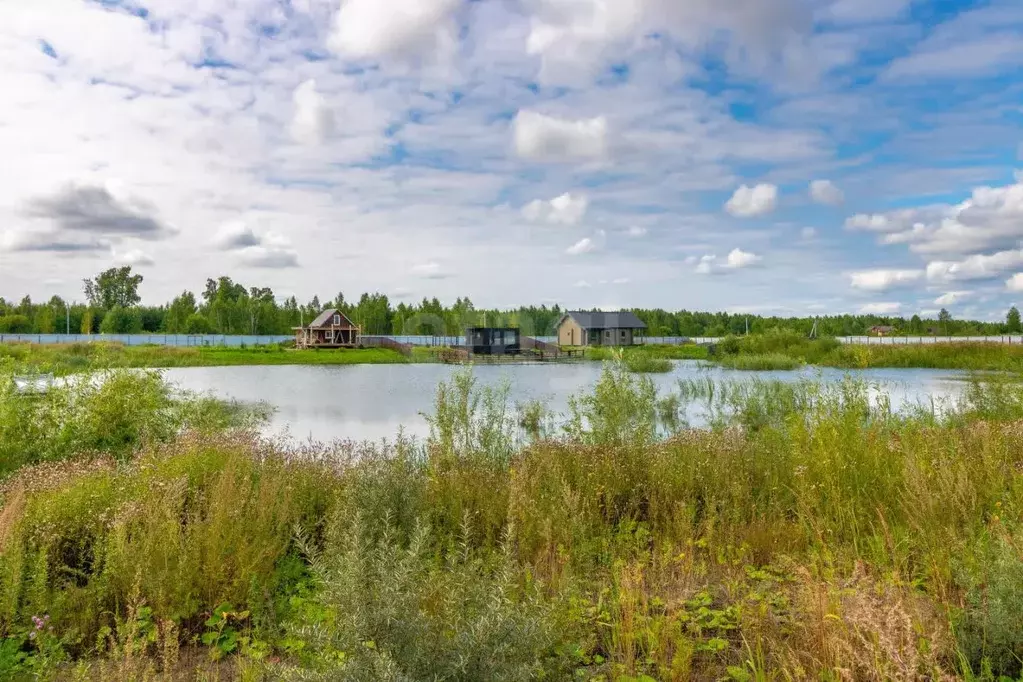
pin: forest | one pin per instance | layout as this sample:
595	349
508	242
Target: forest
112	305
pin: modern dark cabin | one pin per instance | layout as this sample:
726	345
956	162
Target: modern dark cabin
332	329
493	341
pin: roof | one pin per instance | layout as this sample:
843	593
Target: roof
324	320
600	320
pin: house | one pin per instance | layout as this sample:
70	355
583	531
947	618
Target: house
332	329
881	330
578	328
493	341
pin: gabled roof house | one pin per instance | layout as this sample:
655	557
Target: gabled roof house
580	328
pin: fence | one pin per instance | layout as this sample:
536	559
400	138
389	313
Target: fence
224	340
147	339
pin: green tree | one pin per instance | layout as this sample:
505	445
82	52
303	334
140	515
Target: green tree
181	309
916	325
197	324
119	320
945	318
114	287
1013	322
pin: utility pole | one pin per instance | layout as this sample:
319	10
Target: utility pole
67	309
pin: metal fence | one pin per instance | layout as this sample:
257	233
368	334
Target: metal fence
148	339
225	340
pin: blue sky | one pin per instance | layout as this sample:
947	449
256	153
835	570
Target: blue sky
776	156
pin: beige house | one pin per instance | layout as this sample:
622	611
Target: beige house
599	329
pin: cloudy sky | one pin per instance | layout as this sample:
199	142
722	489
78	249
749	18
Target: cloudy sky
778	156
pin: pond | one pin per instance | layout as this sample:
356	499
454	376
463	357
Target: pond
372	402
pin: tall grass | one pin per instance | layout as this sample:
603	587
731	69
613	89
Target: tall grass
814	533
66	359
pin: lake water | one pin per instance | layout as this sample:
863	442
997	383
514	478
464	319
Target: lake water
371	402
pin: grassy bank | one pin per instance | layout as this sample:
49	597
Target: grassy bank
784	350
810	534
79	357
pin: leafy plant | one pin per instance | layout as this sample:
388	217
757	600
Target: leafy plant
222	634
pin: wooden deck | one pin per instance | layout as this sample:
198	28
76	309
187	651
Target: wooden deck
530	356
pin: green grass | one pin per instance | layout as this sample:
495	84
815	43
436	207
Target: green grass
72	358
811	533
769	349
761	362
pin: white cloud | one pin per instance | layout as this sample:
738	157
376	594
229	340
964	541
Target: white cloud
750	202
883	280
621	280
267	250
582	284
546	138
430	270
135	258
567	209
992	218
636	231
825	192
235	235
395	28
1015	283
313	121
880	309
574	38
706	265
952	298
975	267
808	233
738	258
584	245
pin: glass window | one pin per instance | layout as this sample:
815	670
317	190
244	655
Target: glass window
337	320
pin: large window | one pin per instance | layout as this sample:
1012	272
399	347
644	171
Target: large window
337	320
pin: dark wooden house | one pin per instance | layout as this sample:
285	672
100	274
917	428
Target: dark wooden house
493	341
332	329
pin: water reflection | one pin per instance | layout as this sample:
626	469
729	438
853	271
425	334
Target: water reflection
372	402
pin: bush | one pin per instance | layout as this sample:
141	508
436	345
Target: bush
120	320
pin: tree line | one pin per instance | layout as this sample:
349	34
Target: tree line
113	306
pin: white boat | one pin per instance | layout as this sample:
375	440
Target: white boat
33	385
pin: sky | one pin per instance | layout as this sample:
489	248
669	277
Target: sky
790	157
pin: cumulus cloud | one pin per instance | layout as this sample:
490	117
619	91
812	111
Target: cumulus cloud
574	38
880	309
1015	283
883	280
584	245
736	260
808	233
992	218
539	137
976	267
84	218
825	192
268	250
405	29
313	121
235	235
952	298
750	202
430	270
636	231
134	257
582	284
567	209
